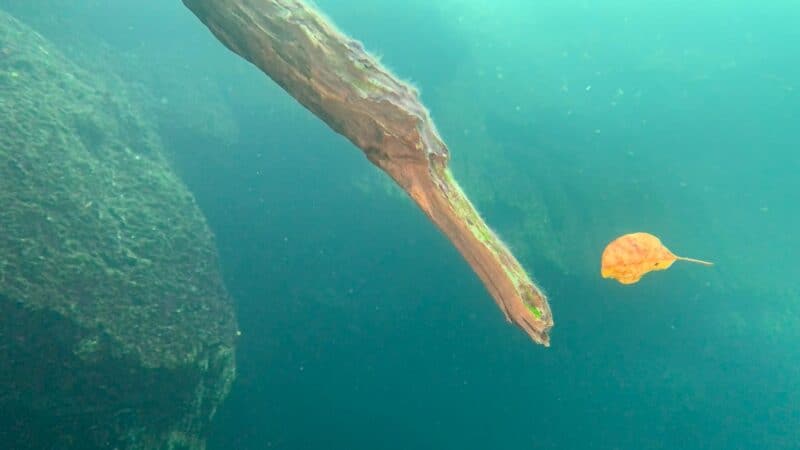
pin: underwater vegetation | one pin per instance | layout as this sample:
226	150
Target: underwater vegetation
115	327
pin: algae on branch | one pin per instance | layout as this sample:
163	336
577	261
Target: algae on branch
327	72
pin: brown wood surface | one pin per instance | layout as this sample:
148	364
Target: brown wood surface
336	79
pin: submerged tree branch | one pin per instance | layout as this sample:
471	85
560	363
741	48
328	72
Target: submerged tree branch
336	79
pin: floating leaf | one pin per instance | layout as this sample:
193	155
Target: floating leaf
629	257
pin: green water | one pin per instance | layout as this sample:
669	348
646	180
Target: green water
569	123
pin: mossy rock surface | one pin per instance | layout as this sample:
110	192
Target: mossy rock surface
116	326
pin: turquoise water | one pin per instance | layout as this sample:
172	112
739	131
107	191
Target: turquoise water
569	124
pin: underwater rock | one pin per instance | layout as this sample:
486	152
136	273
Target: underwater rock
160	76
351	91
116	330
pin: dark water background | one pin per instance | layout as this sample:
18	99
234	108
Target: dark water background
363	328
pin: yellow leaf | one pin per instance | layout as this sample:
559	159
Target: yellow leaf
629	257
